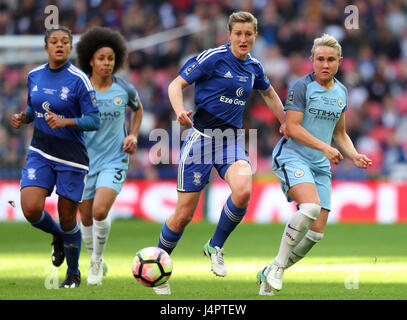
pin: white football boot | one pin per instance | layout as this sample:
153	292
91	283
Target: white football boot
95	273
163	289
265	288
275	276
216	255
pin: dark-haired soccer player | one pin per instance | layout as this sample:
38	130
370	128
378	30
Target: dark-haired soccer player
101	52
61	102
224	78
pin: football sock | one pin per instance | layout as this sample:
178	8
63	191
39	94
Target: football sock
168	239
87	237
101	233
230	217
47	224
72	247
311	238
294	231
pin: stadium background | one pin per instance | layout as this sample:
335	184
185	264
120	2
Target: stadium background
163	34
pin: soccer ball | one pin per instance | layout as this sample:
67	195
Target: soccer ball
152	266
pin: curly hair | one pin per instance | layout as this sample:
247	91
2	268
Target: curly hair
96	38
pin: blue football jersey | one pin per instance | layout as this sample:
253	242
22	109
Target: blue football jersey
322	109
105	146
222	86
67	92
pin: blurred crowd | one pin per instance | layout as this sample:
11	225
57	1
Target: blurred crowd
374	70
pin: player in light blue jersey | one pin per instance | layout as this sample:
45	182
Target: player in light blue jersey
224	78
315	111
61	102
101	52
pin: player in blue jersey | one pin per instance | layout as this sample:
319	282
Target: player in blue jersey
61	102
101	52
224	78
315	112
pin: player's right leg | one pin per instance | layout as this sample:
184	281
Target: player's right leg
37	182
305	194
173	228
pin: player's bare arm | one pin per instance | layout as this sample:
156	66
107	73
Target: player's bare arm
130	142
344	143
274	103
176	98
296	131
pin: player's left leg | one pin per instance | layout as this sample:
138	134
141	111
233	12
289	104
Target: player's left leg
72	238
70	184
312	237
239	178
102	203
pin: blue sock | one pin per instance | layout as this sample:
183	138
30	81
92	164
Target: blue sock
47	224
229	219
168	239
72	247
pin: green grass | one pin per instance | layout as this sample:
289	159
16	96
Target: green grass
352	262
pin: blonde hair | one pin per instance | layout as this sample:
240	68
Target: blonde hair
329	41
242	16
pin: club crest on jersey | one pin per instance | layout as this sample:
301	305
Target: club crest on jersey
64	93
298	173
118	101
197	178
31	174
191	68
340	102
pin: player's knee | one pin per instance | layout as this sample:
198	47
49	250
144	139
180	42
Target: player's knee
100	213
32	210
311	210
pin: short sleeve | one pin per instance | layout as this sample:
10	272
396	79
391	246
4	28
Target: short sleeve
296	97
131	93
195	69
261	81
86	97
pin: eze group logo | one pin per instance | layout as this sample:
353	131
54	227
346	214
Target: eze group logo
239	92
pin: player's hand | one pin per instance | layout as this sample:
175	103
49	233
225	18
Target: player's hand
17	119
54	121
333	154
361	161
130	144
183	118
283	130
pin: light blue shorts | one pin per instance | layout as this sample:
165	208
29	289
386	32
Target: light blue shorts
292	173
109	178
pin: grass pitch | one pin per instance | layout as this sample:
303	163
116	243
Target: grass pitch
352	262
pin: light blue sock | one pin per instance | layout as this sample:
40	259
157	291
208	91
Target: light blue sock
230	217
168	238
47	224
72	248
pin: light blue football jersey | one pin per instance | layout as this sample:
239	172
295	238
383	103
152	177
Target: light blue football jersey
322	109
223	84
105	146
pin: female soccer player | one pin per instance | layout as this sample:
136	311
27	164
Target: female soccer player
315	111
61	102
224	78
101	52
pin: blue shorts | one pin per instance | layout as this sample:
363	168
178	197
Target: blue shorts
110	178
291	173
45	173
200	153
